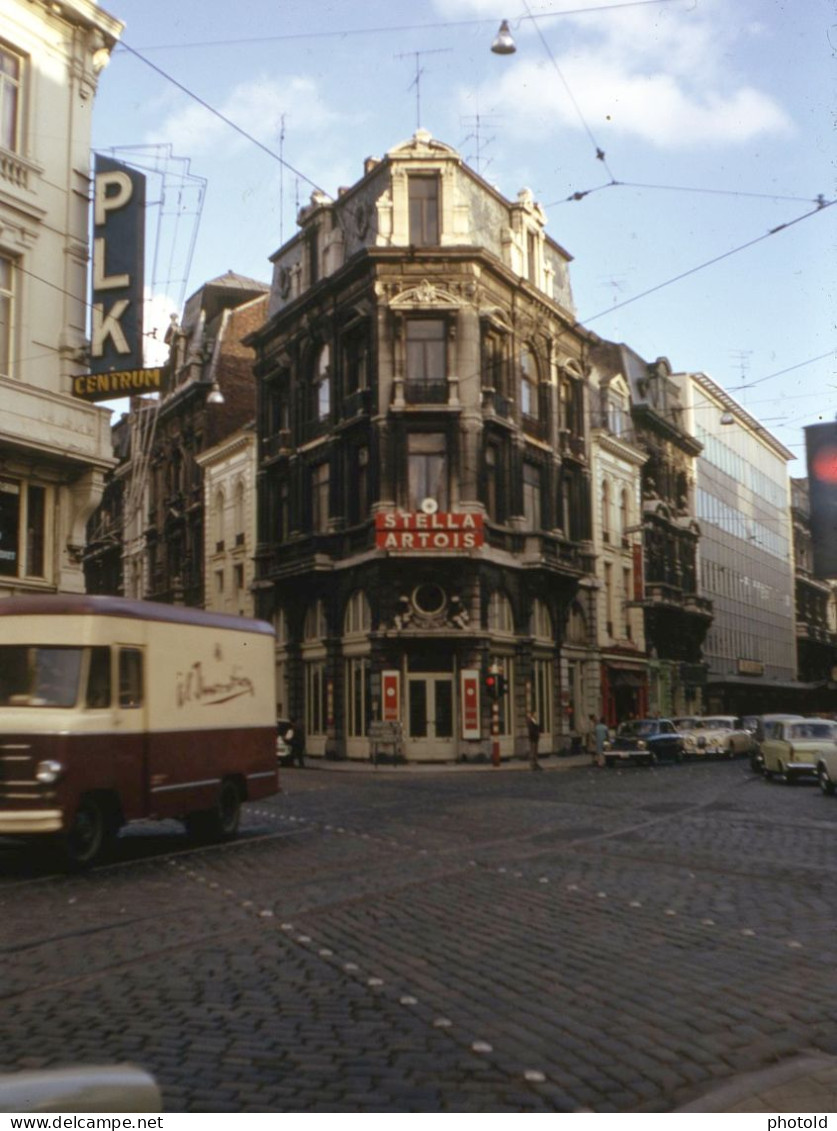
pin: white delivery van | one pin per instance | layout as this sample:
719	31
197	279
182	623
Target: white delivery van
113	710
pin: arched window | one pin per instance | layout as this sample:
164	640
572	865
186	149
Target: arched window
605	516
500	616
322	383
624	515
577	625
528	383
357	619
315	623
280	626
239	512
541	622
219	518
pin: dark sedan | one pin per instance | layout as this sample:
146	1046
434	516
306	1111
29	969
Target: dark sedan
645	741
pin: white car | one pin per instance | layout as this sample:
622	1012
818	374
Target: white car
715	736
799	748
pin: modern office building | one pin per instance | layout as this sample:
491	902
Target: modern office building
743	505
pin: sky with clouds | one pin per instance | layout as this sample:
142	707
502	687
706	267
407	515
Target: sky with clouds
659	136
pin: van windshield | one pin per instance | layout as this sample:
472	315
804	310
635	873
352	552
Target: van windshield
34	675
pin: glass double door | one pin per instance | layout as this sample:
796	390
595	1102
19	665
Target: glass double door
430	715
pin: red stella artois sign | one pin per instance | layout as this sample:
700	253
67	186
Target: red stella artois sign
418	531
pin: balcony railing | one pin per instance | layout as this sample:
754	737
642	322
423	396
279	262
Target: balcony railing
532	426
573	445
277	444
426	392
497	404
357	403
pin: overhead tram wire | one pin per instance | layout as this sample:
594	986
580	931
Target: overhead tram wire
582	193
434	26
782	372
600	153
222	117
709	262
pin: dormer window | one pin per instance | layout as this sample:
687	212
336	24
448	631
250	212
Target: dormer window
423	195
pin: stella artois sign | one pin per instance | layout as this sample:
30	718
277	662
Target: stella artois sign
419	531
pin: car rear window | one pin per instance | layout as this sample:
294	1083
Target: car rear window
811	730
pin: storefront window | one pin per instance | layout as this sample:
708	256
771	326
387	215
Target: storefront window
23	532
315	697
357	697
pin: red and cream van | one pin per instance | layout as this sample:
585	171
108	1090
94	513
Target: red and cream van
112	710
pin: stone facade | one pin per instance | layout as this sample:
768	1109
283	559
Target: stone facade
422	369
54	450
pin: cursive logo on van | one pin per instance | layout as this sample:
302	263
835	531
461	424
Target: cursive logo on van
193	686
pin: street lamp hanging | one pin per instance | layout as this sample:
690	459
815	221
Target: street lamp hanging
503	43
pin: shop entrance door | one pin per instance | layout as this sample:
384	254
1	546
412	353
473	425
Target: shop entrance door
430	716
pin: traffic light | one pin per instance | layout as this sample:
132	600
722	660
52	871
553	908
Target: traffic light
821	447
495	685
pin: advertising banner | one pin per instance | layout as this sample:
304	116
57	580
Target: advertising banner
469	687
402	530
391	696
116	338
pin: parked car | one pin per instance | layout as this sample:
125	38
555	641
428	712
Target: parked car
645	741
755	725
719	736
283	745
110	1087
794	748
827	770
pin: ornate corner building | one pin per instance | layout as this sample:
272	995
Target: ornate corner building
423	475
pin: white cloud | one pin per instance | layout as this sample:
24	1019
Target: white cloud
256	107
655	107
669	75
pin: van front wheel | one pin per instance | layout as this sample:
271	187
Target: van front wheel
89	834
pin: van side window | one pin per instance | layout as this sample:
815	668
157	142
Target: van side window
130	678
98	680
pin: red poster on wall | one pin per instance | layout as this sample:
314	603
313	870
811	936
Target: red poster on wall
390	696
469	686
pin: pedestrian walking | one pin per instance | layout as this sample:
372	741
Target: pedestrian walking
601	734
296	740
533	729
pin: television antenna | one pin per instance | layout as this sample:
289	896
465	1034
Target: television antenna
476	124
419	72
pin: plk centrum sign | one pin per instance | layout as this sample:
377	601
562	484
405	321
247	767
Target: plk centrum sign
402	530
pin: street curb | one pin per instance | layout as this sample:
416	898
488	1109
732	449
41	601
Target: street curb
789	1073
550	764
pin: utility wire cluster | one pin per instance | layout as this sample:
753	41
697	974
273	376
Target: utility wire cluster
819	201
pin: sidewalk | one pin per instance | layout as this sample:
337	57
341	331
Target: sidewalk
551	762
805	1084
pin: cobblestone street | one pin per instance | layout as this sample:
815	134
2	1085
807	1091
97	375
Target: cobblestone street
387	941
